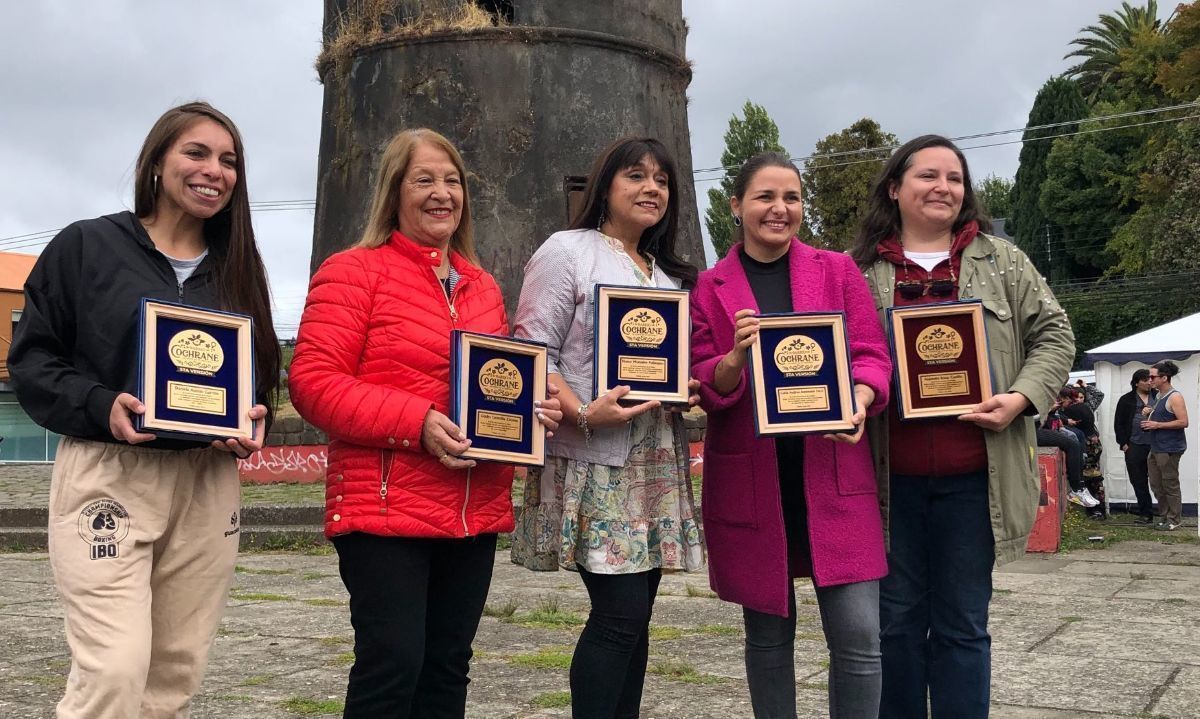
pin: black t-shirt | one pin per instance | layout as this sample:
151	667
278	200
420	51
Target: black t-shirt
1084	418
771	283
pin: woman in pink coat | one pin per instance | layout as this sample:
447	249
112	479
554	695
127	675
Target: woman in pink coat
775	509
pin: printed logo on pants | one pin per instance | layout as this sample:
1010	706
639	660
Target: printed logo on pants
103	524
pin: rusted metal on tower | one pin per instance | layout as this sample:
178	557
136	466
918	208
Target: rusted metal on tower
528	90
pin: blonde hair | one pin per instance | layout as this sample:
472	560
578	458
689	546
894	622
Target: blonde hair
385	204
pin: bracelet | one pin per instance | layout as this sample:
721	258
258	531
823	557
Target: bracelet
581	421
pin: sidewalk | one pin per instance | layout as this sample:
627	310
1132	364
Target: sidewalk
1094	634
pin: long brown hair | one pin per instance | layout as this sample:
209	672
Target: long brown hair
239	274
659	239
882	219
385	202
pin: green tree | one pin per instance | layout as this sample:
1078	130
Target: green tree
1100	47
1058	101
838	178
996	195
1180	75
753	133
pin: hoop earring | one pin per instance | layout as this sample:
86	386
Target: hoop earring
737	221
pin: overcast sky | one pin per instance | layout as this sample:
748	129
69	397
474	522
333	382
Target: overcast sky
82	81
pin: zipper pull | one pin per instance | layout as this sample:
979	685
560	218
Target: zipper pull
453	312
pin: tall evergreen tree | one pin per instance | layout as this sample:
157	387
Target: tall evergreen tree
747	136
838	177
996	195
1059	100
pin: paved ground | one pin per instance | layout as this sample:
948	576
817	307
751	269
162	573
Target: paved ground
1097	633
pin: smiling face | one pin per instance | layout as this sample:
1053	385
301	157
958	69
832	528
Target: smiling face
931	190
431	197
198	171
637	199
771	211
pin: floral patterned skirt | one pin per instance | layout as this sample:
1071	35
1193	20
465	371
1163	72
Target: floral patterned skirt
614	520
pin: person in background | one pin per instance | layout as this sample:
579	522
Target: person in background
414	523
796	506
1091	395
959	495
1051	434
1135	441
614	501
1167	419
143	531
1080	418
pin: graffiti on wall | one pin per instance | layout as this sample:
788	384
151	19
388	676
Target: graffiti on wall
300	464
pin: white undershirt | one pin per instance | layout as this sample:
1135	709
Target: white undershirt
928	260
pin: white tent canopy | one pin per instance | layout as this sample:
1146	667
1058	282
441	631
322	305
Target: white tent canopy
1115	363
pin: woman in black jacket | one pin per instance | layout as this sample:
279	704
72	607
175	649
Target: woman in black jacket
1135	442
143	531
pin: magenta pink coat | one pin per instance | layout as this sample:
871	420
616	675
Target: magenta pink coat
743	519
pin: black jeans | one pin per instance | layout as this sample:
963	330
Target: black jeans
1073	451
609	666
415	605
1135	465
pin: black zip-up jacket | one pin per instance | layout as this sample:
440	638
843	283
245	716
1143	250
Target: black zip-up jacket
75	348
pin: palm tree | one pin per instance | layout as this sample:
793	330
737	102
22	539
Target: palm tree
1100	46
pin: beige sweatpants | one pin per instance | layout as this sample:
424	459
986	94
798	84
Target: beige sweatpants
142	544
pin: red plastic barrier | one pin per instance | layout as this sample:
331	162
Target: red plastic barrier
1047	526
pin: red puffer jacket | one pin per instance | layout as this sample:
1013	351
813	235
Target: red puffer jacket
373	356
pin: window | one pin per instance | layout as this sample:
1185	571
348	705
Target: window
573	186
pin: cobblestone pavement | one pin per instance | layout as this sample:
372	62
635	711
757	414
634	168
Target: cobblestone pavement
1093	634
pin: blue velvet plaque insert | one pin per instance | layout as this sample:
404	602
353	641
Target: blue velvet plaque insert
494	382
643	340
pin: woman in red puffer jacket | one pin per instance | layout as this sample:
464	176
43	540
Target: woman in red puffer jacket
414	524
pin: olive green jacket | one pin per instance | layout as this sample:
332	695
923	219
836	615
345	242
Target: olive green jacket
1031	350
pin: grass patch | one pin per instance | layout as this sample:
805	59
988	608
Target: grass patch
811	636
507	609
693	591
1175	600
334	641
287	494
50	681
344	659
683	672
1138	575
544	658
1002	591
321	602
297	543
257	680
239	569
1077	528
1071	620
503	541
547	615
311	576
552	700
665	634
240	698
312	707
718	630
258	597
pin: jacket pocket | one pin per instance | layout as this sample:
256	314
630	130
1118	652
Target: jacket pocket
853	468
729	496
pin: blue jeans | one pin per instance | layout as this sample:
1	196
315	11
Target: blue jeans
933	605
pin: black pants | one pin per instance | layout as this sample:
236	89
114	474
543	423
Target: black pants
1072	449
1135	465
415	605
609	666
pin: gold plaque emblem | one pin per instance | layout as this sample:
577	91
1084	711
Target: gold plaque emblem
500	380
799	356
196	352
939	343
643	327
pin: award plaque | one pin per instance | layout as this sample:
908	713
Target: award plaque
940	352
800	374
494	382
643	340
195	372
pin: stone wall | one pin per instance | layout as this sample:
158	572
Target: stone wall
292	431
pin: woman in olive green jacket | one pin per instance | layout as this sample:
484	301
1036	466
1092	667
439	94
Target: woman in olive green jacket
958	495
